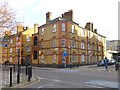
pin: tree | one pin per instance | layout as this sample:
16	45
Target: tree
7	18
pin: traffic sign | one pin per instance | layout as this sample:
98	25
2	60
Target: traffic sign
18	43
65	54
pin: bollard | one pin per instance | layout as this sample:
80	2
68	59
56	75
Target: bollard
29	74
26	70
18	75
10	76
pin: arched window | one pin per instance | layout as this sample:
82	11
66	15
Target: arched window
35	55
35	41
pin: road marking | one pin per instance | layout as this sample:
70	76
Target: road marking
45	85
103	83
70	83
67	70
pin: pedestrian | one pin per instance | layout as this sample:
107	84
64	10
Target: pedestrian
77	64
116	65
106	63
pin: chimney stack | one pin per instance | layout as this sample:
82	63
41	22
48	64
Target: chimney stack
95	30
89	26
48	17
35	28
68	15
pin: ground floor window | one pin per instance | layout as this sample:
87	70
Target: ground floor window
73	58
54	58
83	58
10	59
42	58
35	55
63	59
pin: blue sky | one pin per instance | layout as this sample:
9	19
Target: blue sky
103	13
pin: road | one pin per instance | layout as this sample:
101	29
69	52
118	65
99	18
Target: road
84	77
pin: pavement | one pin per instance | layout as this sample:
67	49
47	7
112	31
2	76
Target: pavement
5	78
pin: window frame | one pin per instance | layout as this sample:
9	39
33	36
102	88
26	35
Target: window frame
53	43
42	31
82	45
54	28
63	43
73	44
73	29
35	55
63	27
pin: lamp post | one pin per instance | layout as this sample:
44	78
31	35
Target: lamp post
70	50
18	74
18	44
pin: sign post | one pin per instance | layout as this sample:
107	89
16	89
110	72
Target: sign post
18	44
65	54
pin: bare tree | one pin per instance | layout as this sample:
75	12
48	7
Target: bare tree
7	18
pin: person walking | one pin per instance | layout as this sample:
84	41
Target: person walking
106	63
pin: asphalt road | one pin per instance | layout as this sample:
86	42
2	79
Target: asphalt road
84	77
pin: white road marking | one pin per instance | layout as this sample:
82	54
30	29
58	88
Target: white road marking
70	83
45	85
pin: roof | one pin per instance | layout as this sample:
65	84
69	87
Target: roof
63	19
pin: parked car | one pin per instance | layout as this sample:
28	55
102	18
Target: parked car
100	63
112	61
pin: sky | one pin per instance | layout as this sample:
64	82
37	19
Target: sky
103	13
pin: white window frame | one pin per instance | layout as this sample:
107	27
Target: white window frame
27	48
11	41
83	58
11	50
73	29
63	42
88	45
10	59
42	58
82	45
89	34
73	58
42	31
54	58
99	48
83	33
28	38
53	43
73	43
54	28
63	27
